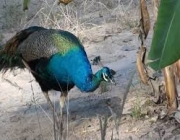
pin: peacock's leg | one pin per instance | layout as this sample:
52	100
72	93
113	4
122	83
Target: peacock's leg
62	102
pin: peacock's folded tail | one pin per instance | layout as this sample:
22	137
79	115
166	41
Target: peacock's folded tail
9	56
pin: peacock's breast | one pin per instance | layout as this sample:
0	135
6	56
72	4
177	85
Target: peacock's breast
58	67
70	68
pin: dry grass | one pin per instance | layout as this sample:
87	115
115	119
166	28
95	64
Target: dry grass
78	17
136	109
75	17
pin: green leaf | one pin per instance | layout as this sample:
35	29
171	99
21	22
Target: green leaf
25	4
165	47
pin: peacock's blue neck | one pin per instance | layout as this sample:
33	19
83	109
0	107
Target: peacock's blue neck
75	68
90	83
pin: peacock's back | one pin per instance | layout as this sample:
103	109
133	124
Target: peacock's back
47	42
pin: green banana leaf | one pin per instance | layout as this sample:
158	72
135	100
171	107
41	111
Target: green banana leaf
165	47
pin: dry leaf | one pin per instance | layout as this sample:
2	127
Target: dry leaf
140	65
145	20
176	66
155	8
153	119
64	1
171	91
155	4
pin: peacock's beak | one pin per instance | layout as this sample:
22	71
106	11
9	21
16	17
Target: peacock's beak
113	81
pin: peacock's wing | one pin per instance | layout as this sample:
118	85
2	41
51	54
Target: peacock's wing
46	43
39	70
37	45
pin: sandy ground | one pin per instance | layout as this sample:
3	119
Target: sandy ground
25	115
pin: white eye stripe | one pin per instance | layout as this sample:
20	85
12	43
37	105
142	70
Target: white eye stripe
104	76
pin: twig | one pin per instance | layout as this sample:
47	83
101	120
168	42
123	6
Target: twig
37	112
117	120
54	125
103	127
13	84
112	135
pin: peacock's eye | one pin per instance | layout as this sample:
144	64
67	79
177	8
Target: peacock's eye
105	77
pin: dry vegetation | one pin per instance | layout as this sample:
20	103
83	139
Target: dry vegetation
77	17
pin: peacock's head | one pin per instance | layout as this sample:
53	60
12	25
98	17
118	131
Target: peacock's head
107	75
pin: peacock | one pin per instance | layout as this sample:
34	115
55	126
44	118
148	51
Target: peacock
56	58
